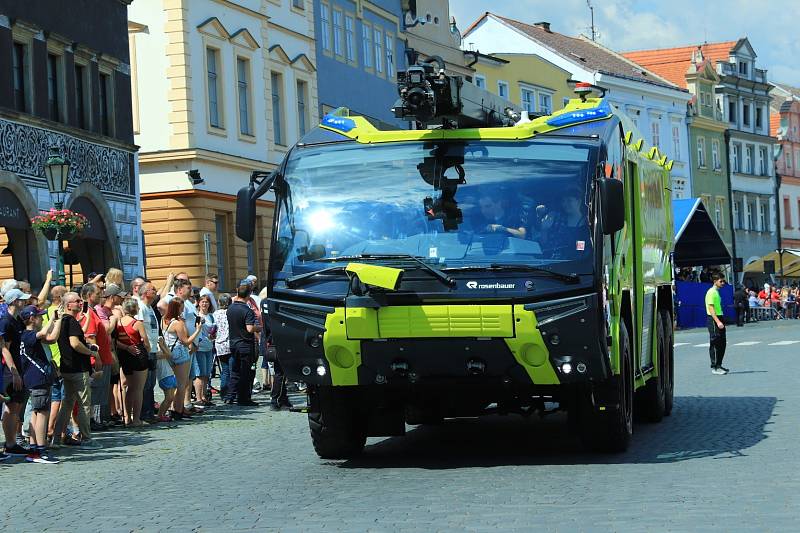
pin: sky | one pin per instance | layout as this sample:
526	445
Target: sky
625	25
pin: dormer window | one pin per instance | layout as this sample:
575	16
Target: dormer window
743	68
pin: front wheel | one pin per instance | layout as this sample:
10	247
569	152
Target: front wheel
337	430
611	430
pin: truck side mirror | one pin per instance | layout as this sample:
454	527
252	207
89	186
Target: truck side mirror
246	213
612	205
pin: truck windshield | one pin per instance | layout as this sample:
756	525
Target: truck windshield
453	204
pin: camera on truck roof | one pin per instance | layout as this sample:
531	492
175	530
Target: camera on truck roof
422	88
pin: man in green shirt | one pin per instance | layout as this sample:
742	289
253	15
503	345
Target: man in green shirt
716	327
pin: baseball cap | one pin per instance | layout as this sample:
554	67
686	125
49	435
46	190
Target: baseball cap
251	279
112	289
12	295
31	310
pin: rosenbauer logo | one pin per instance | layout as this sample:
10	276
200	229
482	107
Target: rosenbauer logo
476	285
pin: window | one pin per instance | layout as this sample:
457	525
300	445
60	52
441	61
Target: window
349	38
366	45
737	213
797	159
20	70
214	103
528	100
243	90
701	152
655	129
798	211
748	159
736	157
221	229
750	220
378	51
742	68
763	161
302	111
759	117
502	89
81	94
787	213
324	22
788	159
732	111
545	103
480	81
106	107
390	55
746	114
277	112
676	142
53	91
715	154
298	4
719	213
337	32
762	217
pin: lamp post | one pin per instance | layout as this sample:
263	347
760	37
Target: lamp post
56	170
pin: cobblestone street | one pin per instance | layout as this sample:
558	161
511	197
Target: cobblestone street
726	460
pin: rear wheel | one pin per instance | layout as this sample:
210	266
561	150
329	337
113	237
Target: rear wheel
337	430
651	399
611	430
669	367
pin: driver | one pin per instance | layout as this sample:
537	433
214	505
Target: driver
568	230
498	219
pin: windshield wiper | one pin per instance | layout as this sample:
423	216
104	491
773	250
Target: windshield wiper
438	274
294	280
510	267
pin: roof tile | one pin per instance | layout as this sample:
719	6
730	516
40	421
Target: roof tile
672	63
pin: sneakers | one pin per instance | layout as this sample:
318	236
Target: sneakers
42	458
17	451
719	371
724	370
4	457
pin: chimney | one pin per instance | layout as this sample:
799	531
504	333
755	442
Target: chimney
543	25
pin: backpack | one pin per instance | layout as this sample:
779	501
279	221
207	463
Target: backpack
35	374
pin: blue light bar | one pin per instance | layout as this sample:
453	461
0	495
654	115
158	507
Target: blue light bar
338	123
583	115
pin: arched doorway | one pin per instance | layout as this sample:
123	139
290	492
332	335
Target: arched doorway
23	252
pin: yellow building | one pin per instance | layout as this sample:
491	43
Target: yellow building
526	80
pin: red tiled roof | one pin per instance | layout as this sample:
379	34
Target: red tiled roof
672	63
774	123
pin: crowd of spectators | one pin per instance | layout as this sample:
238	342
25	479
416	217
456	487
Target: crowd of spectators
81	361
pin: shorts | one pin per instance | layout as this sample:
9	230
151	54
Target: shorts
204	362
40	399
16	396
168	382
131	363
57	390
180	354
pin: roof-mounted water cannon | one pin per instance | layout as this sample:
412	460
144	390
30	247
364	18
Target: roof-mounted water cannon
584	89
428	94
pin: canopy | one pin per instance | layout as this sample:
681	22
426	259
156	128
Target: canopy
697	241
791	263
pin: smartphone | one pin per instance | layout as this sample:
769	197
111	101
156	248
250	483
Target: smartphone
85	307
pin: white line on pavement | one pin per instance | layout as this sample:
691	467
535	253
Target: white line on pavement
704	345
680	344
783	343
747	343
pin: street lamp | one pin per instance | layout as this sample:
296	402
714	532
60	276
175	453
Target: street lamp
56	169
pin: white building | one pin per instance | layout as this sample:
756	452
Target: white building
221	89
657	106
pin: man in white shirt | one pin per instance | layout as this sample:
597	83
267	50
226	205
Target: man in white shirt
145	295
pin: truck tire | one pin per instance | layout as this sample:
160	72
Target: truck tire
337	431
611	430
669	368
651	399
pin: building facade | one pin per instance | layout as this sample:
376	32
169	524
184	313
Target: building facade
65	85
535	84
694	68
786	127
657	106
359	47
221	89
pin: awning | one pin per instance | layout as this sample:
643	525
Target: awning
791	263
697	241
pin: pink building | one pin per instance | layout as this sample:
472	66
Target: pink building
785	125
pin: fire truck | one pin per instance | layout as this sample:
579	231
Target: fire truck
484	261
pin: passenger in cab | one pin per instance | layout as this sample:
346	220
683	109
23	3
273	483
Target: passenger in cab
567	231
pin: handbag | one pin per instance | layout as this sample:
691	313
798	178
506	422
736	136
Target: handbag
271	354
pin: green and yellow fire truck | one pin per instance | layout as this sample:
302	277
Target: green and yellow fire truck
485	262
